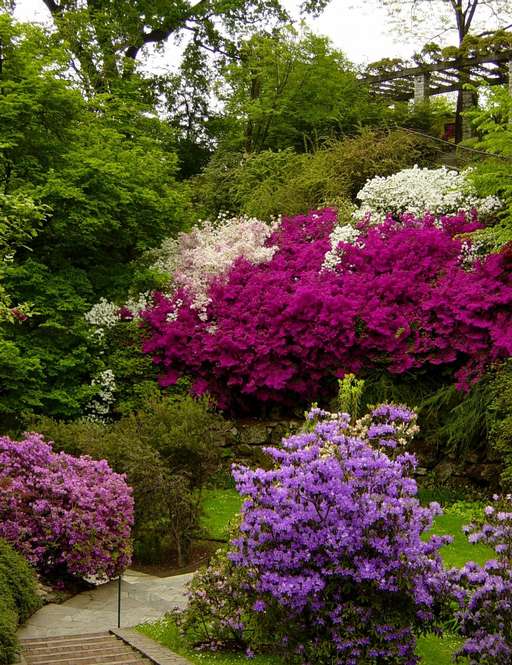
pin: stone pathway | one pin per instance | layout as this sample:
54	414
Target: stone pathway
143	598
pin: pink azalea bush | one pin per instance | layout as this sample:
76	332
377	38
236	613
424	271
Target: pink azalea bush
402	297
329	556
64	514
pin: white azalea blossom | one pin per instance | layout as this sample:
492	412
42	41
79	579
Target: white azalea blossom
104	314
345	234
99	407
210	249
420	190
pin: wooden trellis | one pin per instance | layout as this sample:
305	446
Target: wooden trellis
451	75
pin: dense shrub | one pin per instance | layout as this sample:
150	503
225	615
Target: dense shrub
273	183
329	555
167	449
500	412
67	515
18	598
404	295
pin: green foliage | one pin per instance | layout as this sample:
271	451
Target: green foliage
291	90
105	38
450	420
20	218
350	393
501	420
18	598
102	171
492	175
168	450
285	182
135	374
186	432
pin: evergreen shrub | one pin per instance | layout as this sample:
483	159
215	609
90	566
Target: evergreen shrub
18	598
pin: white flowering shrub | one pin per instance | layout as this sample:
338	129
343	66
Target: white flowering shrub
106	314
340	234
210	249
103	314
105	384
419	191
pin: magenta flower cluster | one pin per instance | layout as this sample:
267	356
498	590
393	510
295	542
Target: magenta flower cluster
401	297
331	542
484	593
64	514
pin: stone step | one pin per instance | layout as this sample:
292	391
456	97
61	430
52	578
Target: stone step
67	638
78	650
91	649
78	646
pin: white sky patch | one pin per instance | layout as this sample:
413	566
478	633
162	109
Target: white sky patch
359	29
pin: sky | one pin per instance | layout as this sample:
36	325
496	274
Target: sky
360	29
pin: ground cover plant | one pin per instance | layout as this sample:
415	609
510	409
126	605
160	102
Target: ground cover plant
69	516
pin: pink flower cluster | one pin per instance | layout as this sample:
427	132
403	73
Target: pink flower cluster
64	514
400	298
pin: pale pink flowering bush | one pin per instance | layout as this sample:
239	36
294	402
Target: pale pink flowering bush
210	249
66	515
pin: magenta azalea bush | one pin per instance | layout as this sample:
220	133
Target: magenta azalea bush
64	514
330	551
402	297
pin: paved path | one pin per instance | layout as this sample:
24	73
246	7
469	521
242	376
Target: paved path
143	597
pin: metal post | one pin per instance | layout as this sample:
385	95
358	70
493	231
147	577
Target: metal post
119	601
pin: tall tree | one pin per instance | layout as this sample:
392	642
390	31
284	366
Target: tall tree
101	171
291	90
106	37
433	19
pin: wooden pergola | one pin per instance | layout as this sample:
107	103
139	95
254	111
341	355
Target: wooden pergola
420	82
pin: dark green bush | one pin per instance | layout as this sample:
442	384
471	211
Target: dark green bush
168	451
18	598
285	182
501	420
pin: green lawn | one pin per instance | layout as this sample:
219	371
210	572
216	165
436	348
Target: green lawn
221	506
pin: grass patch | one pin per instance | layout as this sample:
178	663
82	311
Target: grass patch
432	650
219	508
166	633
435	650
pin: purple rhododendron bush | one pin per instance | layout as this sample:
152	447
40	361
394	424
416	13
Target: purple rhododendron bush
329	565
484	593
66	515
402	295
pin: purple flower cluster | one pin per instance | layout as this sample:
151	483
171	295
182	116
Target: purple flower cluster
330	541
280	331
64	514
484	593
